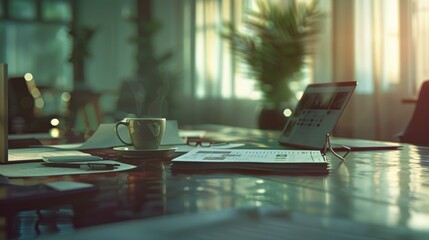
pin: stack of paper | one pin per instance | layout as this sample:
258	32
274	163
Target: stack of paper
291	161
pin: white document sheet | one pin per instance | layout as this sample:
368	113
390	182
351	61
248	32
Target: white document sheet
36	169
23	154
103	137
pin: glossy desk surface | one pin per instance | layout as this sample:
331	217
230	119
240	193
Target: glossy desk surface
373	194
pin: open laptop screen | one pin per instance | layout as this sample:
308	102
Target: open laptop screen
3	113
316	114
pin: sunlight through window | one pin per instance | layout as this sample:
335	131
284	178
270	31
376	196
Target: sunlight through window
376	44
420	39
217	73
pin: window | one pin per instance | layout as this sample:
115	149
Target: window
41	49
1	9
216	74
56	10
22	9
420	38
34	37
376	44
387	32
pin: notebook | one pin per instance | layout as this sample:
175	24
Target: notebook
3	112
316	114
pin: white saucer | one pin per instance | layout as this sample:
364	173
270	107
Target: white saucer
130	151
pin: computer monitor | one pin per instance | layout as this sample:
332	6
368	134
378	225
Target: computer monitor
3	113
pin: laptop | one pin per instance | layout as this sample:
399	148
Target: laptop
316	114
3	113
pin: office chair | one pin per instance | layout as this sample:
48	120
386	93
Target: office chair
25	105
83	111
417	131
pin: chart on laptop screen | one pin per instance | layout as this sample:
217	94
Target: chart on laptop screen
316	114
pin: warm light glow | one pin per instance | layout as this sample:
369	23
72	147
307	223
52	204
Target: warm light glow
287	112
35	93
261	190
65	96
39	103
256	95
55	122
307	2
54	132
28	76
295	86
299	94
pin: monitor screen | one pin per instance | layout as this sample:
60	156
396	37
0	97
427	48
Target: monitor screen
316	114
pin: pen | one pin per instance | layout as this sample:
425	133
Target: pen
88	166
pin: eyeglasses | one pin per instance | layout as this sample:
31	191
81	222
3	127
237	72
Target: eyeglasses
195	143
328	147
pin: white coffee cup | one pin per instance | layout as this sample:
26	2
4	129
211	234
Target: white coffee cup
145	133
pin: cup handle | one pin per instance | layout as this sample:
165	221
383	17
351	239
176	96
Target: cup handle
117	132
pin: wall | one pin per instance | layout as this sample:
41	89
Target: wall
112	58
112	53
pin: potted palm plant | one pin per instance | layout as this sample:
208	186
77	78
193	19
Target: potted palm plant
81	37
274	48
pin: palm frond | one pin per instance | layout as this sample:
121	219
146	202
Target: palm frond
276	44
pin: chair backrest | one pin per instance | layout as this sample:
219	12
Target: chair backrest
84	111
25	107
417	131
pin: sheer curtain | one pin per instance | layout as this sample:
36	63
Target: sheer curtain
214	91
379	44
420	38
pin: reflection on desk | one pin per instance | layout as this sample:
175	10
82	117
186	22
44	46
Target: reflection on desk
245	223
372	194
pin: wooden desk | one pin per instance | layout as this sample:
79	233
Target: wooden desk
373	194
